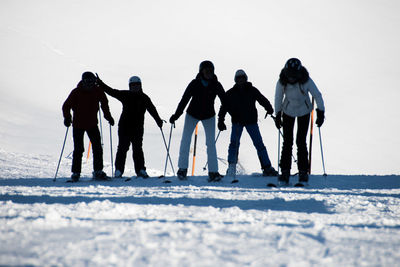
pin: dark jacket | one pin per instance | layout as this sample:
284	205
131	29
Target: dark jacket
134	106
85	105
241	104
201	98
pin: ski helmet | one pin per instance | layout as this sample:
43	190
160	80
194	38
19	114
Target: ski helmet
293	64
134	79
206	64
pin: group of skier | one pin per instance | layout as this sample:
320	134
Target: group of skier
291	101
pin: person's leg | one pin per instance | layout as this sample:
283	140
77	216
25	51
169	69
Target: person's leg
137	149
78	150
188	128
209	128
286	157
233	150
123	147
258	143
301	142
94	137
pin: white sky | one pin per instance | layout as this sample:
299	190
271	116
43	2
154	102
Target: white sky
349	47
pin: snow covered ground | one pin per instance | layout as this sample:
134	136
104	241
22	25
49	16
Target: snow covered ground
340	220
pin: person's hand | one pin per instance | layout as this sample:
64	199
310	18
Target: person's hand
320	117
160	123
221	126
278	120
67	122
173	118
99	82
111	121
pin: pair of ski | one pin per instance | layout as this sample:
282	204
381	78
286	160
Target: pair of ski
283	185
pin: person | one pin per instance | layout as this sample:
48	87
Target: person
135	103
241	105
84	101
292	101
201	92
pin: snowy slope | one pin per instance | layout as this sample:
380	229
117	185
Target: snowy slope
338	221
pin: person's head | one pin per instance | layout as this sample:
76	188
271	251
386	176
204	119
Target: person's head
135	84
206	70
293	69
88	79
240	77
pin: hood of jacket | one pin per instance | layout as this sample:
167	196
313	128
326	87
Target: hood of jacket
288	76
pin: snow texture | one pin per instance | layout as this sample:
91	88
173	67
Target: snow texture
338	220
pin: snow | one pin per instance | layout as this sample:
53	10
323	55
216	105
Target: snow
339	220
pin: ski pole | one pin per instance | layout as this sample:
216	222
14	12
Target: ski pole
62	151
280	132
322	152
279	147
101	130
311	136
194	149
216	139
167	148
112	162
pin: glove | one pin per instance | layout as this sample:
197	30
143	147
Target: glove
67	122
320	117
173	118
111	121
278	120
160	123
221	126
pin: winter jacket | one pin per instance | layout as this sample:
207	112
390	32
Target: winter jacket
85	105
240	102
201	98
134	106
294	100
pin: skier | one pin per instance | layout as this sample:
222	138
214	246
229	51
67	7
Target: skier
201	93
292	101
240	103
135	103
84	102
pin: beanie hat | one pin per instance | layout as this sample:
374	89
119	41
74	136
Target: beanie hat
293	64
134	79
88	75
206	64
240	73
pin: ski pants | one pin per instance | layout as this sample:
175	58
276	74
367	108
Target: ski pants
94	137
125	139
302	153
188	129
255	135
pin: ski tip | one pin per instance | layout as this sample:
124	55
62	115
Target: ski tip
128	179
235	181
161	176
167	182
271	185
299	185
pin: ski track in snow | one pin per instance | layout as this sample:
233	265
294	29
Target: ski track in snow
338	221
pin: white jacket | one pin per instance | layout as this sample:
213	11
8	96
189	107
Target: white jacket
297	100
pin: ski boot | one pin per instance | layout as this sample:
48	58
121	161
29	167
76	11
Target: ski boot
303	179
283	178
100	176
75	177
182	174
143	174
231	172
214	177
269	171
